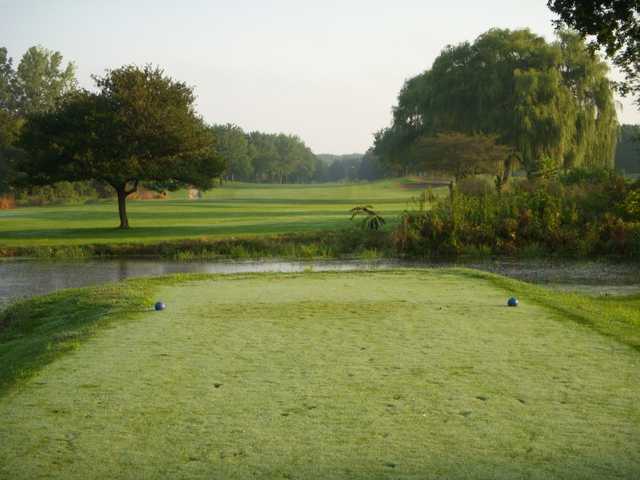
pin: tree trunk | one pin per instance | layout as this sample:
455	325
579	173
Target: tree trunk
506	173
122	208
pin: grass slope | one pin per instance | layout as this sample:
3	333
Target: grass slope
415	374
233	210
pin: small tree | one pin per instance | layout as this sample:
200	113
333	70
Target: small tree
372	219
461	155
141	126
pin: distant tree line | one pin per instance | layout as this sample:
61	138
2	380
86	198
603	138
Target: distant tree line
352	167
280	158
264	157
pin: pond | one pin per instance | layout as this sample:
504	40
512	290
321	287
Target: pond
21	278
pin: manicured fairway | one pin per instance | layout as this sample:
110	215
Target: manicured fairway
416	374
235	209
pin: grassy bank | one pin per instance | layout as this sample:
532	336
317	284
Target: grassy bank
413	374
233	211
349	242
37	331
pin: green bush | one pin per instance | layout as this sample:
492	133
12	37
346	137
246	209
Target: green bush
476	186
586	175
63	192
584	214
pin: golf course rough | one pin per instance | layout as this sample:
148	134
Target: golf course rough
414	374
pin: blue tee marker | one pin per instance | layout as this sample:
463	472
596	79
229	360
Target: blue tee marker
512	302
160	306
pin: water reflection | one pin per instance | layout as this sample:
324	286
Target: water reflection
23	278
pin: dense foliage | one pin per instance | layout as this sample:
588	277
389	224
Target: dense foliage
280	158
614	27
582	213
63	193
36	85
140	126
628	150
462	155
550	102
264	157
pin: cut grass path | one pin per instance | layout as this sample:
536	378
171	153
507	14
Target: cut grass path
417	374
233	210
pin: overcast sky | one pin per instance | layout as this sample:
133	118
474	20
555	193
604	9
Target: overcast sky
328	71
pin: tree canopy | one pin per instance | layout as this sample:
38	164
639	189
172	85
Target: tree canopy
265	157
613	27
140	126
36	85
233	146
462	155
40	81
550	102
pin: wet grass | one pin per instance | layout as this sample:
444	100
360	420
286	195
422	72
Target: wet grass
612	315
37	331
412	374
233	210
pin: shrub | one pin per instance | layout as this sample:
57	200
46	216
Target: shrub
584	175
632	204
580	215
475	186
63	192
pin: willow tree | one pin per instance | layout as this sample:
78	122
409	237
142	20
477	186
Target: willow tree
551	103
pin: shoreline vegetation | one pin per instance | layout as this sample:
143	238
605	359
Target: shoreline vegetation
581	214
348	244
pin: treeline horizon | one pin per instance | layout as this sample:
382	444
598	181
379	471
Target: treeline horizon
541	77
41	81
283	158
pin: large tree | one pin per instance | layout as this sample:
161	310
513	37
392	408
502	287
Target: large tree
140	126
551	102
612	26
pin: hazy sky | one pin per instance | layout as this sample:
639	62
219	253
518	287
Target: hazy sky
328	71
